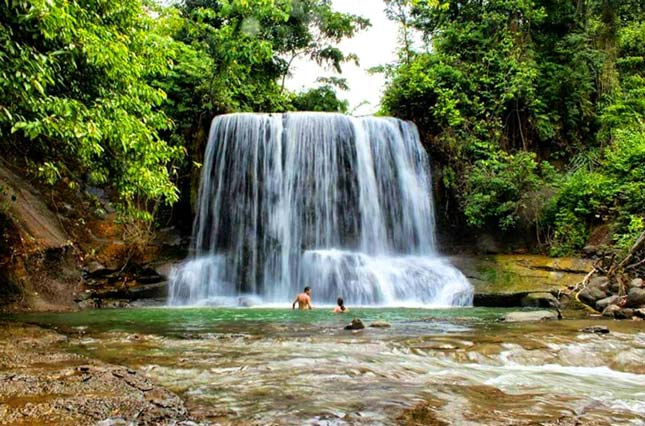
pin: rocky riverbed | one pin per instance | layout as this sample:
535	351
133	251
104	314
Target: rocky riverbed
256	366
40	383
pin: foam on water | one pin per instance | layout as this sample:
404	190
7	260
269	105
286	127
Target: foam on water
343	205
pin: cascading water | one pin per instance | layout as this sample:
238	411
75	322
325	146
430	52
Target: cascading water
340	204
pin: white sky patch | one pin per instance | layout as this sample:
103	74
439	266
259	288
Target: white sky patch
377	45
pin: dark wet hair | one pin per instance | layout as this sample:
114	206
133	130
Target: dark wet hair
307	288
341	303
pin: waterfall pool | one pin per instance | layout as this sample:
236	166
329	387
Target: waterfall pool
260	366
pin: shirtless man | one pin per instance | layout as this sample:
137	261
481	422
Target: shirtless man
303	300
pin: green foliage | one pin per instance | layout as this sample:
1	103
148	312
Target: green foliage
321	98
502	190
614	192
506	83
113	94
75	97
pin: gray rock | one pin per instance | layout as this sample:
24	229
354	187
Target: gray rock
539	300
640	313
530	316
597	329
598	282
635	297
590	295
637	282
356	324
625	313
611	310
380	324
603	303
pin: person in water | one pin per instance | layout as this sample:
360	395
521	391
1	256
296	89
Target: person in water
340	308
303	300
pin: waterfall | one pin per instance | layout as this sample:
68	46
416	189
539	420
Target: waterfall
340	204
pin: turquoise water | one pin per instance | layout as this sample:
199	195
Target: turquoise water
177	321
259	366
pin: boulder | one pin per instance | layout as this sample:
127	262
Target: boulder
530	316
380	324
610	310
636	282
625	313
603	303
590	295
356	324
598	282
597	329
635	297
539	300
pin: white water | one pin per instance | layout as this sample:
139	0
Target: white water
340	204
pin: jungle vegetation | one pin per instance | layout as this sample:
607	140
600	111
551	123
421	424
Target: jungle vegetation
533	109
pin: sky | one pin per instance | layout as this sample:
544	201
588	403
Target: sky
374	46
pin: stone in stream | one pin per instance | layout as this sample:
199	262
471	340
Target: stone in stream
380	324
610	310
356	324
618	312
635	297
603	303
530	316
639	313
590	295
625	313
597	329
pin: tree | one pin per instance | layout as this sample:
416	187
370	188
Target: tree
508	84
75	100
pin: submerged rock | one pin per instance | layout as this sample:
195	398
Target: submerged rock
530	316
597	329
356	324
380	324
